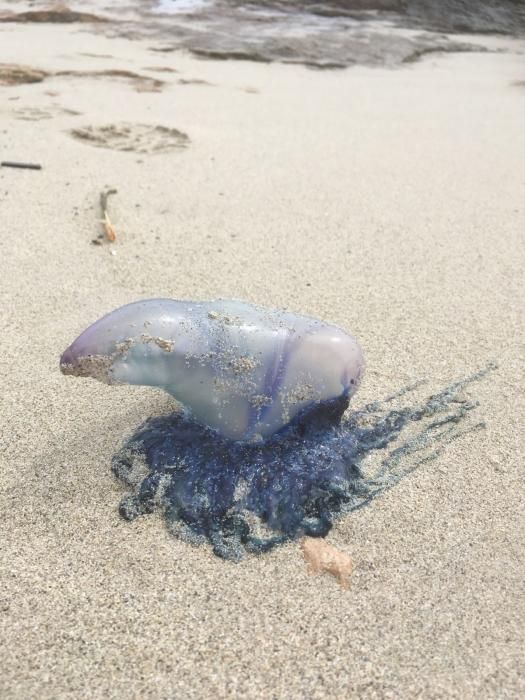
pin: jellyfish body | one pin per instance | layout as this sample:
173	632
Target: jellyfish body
239	369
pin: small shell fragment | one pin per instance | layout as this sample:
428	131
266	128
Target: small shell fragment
322	557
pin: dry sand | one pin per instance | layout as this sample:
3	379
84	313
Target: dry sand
390	202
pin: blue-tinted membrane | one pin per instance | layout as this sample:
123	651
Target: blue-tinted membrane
251	497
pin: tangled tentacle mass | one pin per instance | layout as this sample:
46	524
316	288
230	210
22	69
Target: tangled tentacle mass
244	497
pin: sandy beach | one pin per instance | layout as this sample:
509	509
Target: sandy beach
388	201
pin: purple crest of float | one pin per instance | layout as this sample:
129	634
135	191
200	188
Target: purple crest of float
242	370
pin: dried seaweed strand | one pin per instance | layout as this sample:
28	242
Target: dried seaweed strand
106	221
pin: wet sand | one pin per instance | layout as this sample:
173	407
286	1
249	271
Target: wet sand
387	201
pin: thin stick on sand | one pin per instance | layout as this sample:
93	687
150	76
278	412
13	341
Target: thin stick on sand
17	164
106	222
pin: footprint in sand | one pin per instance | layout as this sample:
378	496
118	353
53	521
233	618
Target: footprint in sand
193	81
34	114
14	74
140	138
31	114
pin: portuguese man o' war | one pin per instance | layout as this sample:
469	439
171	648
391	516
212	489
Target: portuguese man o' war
261	451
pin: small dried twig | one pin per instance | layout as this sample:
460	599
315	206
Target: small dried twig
16	164
106	222
322	557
